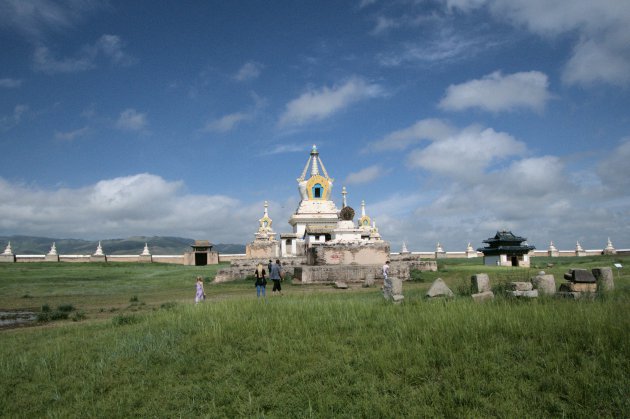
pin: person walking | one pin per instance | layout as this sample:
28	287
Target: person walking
261	281
201	294
276	276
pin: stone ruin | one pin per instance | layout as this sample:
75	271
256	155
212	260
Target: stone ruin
582	283
439	289
480	288
392	290
347	257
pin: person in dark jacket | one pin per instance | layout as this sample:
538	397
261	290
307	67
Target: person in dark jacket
261	281
276	276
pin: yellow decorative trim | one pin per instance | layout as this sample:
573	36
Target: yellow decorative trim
314	180
365	222
262	223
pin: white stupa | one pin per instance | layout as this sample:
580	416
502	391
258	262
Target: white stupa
7	250
53	250
99	250
403	250
470	252
265	231
610	249
317	215
579	251
552	251
145	251
374	234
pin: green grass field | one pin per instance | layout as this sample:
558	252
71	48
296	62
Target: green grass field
142	348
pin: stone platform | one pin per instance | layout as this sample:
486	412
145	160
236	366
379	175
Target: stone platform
329	274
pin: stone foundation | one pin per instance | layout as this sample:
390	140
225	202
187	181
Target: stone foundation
243	268
7	258
346	273
414	262
376	253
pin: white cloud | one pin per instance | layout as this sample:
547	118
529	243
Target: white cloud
287	148
34	18
497	92
71	135
9	121
315	105
477	180
10	83
131	120
467	154
443	45
43	61
249	71
614	170
142	204
364	175
426	129
109	46
602	51
227	123
585	66
230	121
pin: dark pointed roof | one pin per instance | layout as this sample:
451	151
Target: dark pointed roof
505	242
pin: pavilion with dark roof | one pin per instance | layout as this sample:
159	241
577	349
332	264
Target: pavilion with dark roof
506	249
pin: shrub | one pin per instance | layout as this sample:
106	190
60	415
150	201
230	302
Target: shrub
416	275
133	299
168	305
78	316
121	320
59	315
45	308
66	308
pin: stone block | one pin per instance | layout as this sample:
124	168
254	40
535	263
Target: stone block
520	286
480	283
605	279
51	258
439	289
397	287
369	280
524	294
568	295
576	295
544	283
341	285
483	296
582	287
398	298
579	275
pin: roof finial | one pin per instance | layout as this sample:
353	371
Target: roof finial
344	193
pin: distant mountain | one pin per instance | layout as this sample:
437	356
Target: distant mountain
28	245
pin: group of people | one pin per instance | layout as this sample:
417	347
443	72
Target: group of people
274	271
275	274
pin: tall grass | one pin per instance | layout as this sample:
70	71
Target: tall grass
348	355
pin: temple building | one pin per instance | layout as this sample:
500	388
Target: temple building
316	218
506	249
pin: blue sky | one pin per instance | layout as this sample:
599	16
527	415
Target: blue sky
450	118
